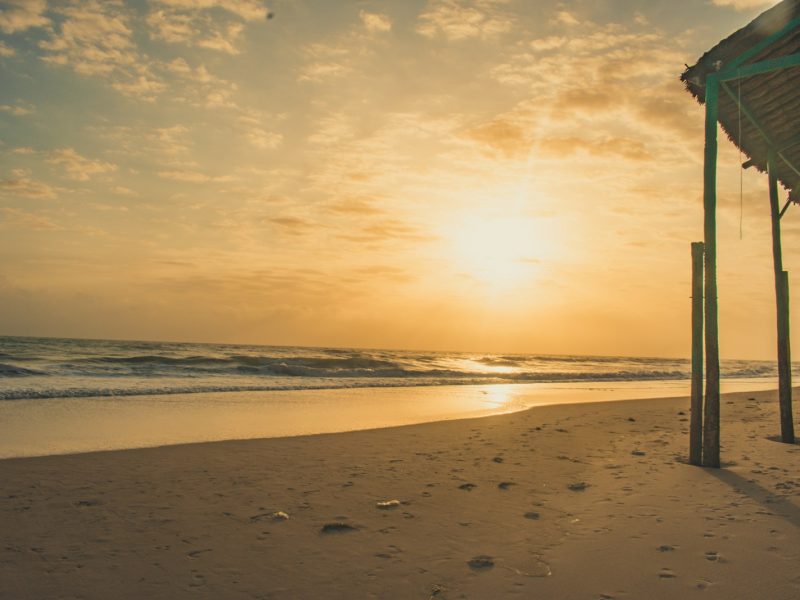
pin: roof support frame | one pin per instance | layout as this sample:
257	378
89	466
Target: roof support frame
750	117
760	68
765	43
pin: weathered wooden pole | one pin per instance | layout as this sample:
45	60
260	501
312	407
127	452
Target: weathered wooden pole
782	310
787	419
711	409
696	419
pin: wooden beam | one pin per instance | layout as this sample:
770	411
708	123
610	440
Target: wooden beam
782	310
696	421
711	409
761	67
755	123
751	52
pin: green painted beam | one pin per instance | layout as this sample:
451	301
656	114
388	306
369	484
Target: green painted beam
766	42
751	117
761	67
711	408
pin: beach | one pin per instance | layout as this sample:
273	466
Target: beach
568	501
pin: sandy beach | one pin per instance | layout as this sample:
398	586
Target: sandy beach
573	501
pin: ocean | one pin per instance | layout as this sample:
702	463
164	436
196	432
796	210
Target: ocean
61	396
59	368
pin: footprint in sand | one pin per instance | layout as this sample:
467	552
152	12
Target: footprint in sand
337	527
666	574
480	562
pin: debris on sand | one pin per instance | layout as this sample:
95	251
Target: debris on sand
481	562
278	515
386	505
578	486
337	527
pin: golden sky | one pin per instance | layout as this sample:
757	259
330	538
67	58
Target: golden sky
496	175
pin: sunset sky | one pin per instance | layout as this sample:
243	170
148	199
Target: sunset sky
497	175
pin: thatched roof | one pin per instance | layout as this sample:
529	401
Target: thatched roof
773	98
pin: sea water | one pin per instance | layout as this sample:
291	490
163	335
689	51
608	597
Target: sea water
70	395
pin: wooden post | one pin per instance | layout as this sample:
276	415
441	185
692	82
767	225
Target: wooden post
787	420
782	309
711	409
696	423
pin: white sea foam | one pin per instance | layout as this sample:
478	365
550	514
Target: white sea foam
32	368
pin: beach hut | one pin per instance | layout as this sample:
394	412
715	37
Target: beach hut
750	84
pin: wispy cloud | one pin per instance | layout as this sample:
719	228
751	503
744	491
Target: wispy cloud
93	38
375	22
18	110
6	50
78	167
194	177
19	15
463	19
193	22
744	4
292	225
17	218
21	184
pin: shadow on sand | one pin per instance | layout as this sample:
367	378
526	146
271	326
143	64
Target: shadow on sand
778	505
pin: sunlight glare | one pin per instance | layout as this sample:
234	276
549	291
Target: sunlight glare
500	251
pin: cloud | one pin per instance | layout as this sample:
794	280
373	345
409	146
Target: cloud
141	86
249	10
631	149
212	24
24	219
204	88
20	184
78	167
354	207
564	17
504	136
123	191
326	60
386	231
461	19
620	95
254	124
375	22
743	4
292	225
93	39
194	177
17	110
6	50
19	15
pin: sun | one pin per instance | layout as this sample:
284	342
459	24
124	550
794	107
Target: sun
499	251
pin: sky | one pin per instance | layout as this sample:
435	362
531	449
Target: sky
488	175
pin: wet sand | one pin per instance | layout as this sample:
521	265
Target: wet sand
570	501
